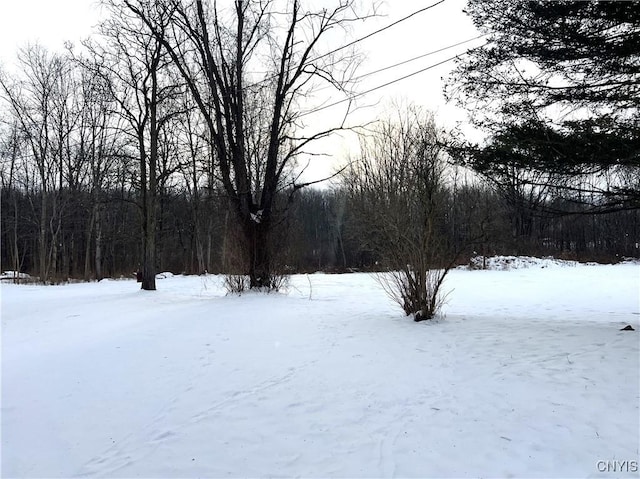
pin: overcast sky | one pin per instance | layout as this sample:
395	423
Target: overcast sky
53	22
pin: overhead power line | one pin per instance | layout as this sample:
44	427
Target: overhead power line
404	62
369	35
357	95
380	30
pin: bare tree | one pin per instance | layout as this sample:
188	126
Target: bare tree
41	102
398	189
134	65
97	150
198	183
248	68
11	145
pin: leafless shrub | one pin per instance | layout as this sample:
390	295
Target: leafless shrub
236	283
398	187
409	288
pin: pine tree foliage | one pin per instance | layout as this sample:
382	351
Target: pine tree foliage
557	87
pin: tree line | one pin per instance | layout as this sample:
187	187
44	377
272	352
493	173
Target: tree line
94	231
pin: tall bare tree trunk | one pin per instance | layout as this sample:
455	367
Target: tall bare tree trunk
87	250
148	224
260	255
98	255
42	240
150	196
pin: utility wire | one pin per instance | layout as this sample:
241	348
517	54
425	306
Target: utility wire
380	30
369	35
389	67
357	95
404	62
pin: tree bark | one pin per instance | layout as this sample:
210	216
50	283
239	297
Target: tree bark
150	197
260	257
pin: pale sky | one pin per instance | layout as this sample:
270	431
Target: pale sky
51	23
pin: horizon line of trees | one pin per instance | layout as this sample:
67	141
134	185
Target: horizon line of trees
324	231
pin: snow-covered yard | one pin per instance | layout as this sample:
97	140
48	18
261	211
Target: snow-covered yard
527	374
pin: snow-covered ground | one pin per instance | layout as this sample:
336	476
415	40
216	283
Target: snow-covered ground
526	374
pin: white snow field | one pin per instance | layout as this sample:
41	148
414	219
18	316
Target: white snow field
526	374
